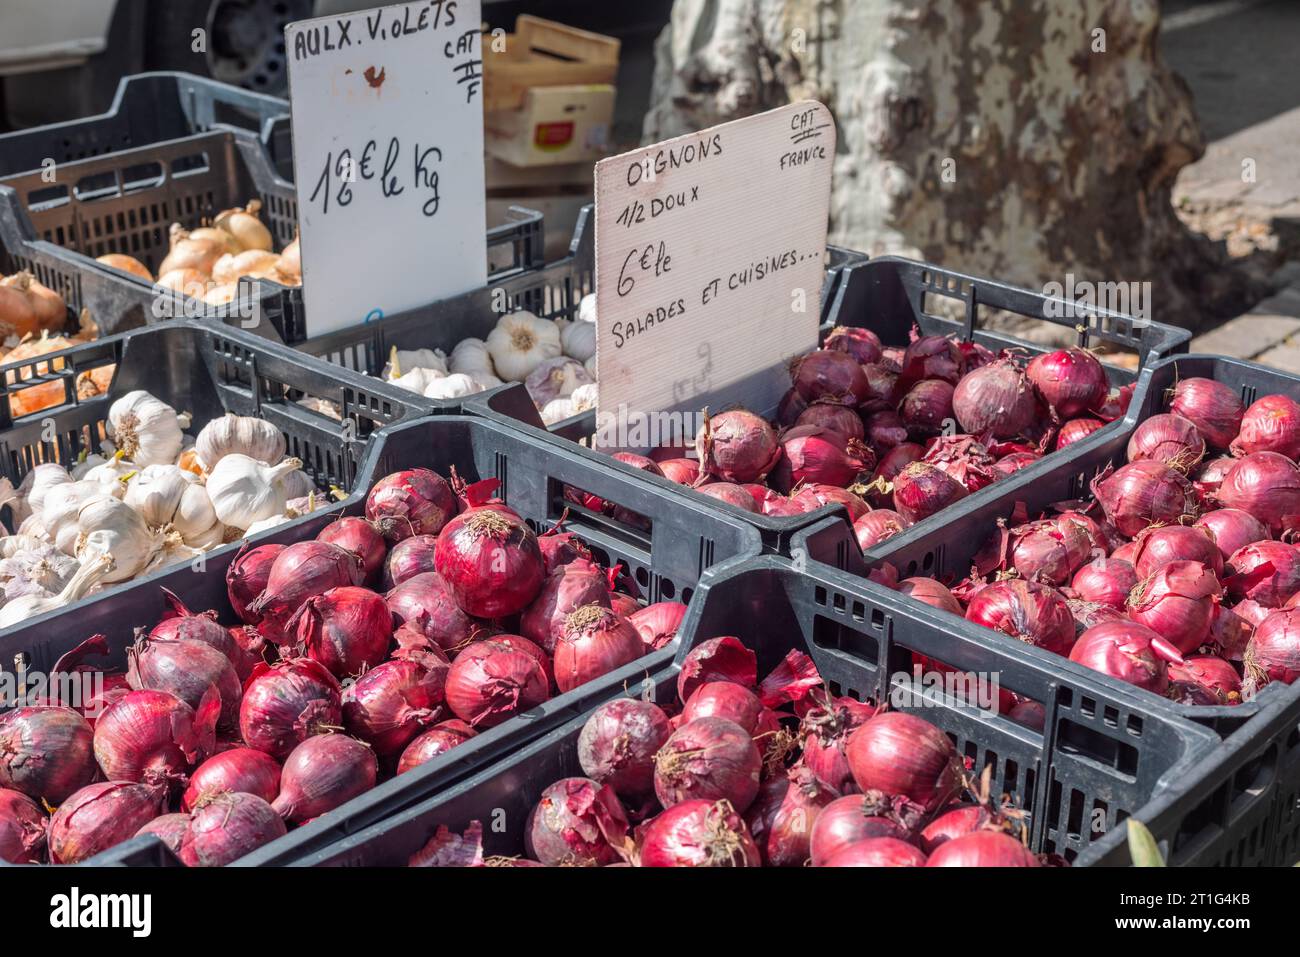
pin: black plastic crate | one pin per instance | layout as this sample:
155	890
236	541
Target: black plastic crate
665	562
890	296
1102	751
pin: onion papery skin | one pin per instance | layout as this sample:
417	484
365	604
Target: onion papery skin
982	849
824	732
245	770
782	817
862	344
99	816
491	563
1233	529
408	558
1026	611
22	828
1050	551
1170	439
710	759
830	377
411	502
1128	651
1267	485
186	669
427	604
301	571
595	641
657	624
362	539
1141	494
737	446
1267	573
561	549
846	821
1177	601
179	623
246	579
1273	652
725	658
322	773
1213	407
346	629
563	592
618	744
812	497
46	753
495	679
1105	580
1271	424
153	738
392	703
878	852
573	824
1071	381
1229	632
1173	543
729	492
698	833
226	827
965	459
922	489
439	739
286	703
902	755
996	399
1212	673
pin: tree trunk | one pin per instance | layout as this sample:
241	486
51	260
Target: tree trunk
1025	140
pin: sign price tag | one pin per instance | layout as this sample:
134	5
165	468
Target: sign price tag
388	158
709	265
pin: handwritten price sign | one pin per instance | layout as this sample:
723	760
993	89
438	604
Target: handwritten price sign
388	158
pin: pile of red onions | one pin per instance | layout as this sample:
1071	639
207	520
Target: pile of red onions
739	772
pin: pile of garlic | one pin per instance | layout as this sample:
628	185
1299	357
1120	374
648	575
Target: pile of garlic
156	497
555	359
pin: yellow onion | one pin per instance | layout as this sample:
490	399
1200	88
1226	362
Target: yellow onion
190	253
128	264
244	225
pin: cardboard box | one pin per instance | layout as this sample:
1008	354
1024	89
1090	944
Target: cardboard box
556	125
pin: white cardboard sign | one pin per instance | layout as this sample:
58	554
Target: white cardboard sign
388	158
709	265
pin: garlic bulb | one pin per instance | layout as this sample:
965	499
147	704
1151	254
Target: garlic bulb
108	526
43	478
555	379
167	496
11	545
111	474
85	464
450	386
484	381
587	308
264	524
417	380
245	434
590	366
520	342
297	485
402	360
92	571
244	490
321	407
557	410
37	569
584	397
33	527
60	509
471	357
147	430
172	548
579	340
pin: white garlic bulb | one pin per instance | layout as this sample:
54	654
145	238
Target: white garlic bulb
297	484
264	524
587	308
11	545
417	380
245	434
85	464
402	360
39	568
520	342
32	527
450	386
557	410
60	509
146	429
471	357
43	478
485	381
579	340
584	397
111	474
167	496
555	379
108	526
93	570
244	490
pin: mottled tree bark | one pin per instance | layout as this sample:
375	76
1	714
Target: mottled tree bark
1021	139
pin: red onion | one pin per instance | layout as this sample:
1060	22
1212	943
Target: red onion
390	704
347	629
975	355
814	496
1051	550
926	407
410	502
657	624
247	576
1273	653
179	623
932	593
825	731
576	823
817	455
829	377
46	752
185	669
1267	485
905	756
1233	529
730	493
1145	493
724	699
224	827
154	738
1128	651
931	357
698	834
168	828
1271	424
1027	611
885	429
439	739
490	561
563	592
1171	543
877	526
560	548
595	640
1230	631
1170	439
299	572
1177	601
718	659
1126	552
782	817
954	822
1105	580
832	418
882	388
618	744
996	399
1076	429
1265	572
1088	614
965	459
982	849
848	820
1208	476
641	463
682	471
287	703
426	602
100	816
624	605
737	446
862	344
1213	407
1115	403
322	773
1212	673
897	459
923	489
709	759
493	680
1071	380
22	828
362	539
240	769
408	558
878	852
790	408
1031	714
